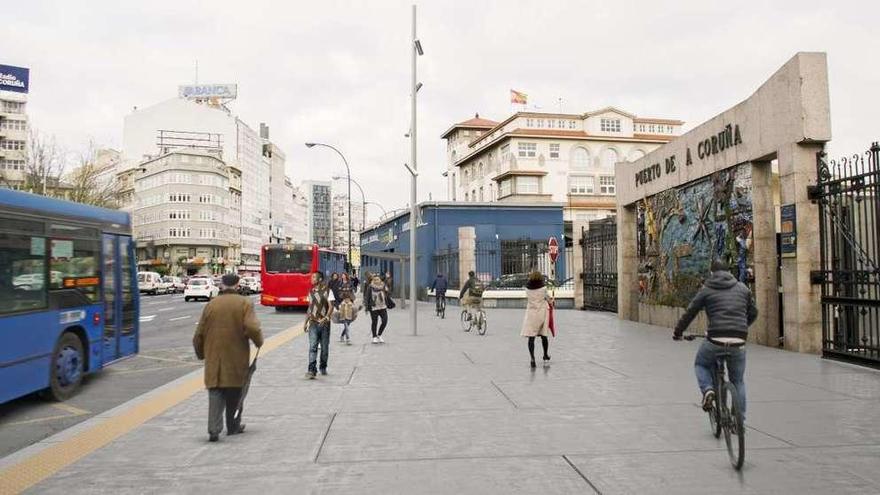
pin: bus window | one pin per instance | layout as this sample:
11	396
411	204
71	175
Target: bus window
22	273
292	261
74	265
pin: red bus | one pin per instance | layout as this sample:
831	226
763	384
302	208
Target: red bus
286	271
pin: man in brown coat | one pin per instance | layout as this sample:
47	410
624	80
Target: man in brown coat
221	339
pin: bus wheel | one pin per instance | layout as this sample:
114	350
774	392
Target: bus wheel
66	368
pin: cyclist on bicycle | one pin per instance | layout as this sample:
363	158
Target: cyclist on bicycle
439	287
471	295
731	310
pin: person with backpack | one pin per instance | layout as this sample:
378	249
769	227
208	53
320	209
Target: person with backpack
439	287
731	311
377	302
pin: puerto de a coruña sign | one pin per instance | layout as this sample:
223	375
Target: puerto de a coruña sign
14	78
197	91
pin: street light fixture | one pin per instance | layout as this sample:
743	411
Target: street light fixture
348	171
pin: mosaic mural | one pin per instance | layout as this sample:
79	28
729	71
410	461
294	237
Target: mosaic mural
682	230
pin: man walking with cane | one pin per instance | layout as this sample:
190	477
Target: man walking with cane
222	339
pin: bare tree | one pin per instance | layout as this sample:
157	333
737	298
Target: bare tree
44	164
93	181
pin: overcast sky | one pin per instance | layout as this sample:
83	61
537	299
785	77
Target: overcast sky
338	72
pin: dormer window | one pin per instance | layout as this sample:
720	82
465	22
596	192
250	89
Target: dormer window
610	125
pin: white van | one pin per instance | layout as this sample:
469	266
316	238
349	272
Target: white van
150	283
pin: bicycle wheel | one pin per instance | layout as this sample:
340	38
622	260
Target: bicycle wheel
734	429
443	308
482	323
465	321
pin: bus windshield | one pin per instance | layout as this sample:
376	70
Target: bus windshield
288	261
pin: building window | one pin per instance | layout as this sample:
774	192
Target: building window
466	133
580	158
481	194
505	153
504	189
527	150
554	150
581	184
453	186
480	170
669	129
606	184
528	185
530	123
540	122
467	197
571	124
13	145
610	125
474	195
551	123
609	159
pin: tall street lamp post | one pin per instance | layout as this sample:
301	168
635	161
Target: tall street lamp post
413	168
348	171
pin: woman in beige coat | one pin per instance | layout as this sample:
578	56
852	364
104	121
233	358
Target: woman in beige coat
537	319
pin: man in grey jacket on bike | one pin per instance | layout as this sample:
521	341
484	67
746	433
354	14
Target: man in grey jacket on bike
731	310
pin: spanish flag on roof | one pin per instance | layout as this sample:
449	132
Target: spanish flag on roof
517	97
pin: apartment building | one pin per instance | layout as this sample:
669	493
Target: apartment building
320	219
340	222
183	123
182	206
550	157
13	125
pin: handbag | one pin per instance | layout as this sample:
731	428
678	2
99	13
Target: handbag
389	303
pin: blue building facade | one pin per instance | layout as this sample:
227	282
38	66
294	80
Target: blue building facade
497	226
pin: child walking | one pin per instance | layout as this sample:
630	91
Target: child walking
347	314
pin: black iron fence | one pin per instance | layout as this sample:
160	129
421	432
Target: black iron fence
849	233
505	264
599	243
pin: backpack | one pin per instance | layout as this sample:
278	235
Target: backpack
477	289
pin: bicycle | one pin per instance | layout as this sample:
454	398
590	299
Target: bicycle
727	418
478	319
441	306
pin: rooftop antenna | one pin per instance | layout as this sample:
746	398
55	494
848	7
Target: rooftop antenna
560	104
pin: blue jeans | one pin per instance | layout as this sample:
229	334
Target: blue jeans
318	334
345	329
704	366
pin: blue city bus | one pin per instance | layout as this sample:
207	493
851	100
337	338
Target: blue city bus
68	293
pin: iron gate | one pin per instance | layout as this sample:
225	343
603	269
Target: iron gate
599	245
848	195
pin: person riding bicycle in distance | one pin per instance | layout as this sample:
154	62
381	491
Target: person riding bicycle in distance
439	286
471	295
730	309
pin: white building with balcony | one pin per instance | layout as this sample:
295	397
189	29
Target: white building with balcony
183	207
181	123
340	222
13	138
550	157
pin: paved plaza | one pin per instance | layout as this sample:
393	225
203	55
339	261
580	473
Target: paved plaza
454	412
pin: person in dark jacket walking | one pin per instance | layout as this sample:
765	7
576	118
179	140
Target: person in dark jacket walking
440	286
731	310
376	300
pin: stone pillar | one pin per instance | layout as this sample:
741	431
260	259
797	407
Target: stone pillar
627	264
802	309
467	252
577	227
765	330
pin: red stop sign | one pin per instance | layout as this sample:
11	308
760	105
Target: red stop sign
553	249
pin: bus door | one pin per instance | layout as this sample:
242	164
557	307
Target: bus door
120	332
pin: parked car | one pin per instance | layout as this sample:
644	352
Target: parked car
200	288
250	285
176	285
150	283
